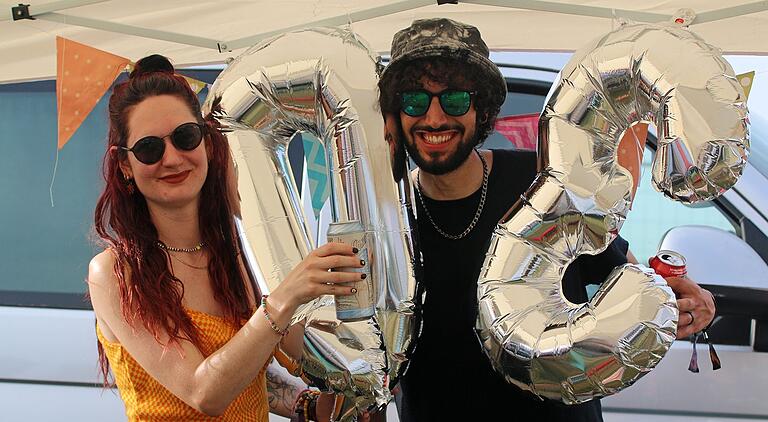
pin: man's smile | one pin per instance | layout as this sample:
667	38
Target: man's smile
435	139
432	138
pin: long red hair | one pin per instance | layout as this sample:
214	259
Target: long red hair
150	294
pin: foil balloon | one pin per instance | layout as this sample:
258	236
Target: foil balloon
637	74
322	82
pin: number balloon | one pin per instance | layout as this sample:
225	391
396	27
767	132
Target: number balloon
323	82
639	73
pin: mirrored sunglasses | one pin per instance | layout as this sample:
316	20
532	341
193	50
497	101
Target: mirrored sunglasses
454	102
150	149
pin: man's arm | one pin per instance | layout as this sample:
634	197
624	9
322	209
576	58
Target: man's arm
282	389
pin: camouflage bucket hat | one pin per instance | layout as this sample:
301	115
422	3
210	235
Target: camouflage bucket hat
444	38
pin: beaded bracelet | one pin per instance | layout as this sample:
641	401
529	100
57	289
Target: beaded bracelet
282	332
306	406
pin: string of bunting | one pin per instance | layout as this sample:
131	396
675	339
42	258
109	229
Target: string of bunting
83	76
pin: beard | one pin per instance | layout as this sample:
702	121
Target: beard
436	166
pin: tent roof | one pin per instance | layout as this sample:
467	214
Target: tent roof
193	31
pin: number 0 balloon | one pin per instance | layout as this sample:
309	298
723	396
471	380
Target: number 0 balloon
322	82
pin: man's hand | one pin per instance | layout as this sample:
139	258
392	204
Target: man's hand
696	305
325	405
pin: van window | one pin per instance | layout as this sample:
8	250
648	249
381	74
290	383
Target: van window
45	246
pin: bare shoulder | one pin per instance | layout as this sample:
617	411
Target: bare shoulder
104	291
101	268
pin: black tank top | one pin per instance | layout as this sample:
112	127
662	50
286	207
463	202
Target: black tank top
449	377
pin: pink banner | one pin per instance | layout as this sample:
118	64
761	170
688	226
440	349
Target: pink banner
521	130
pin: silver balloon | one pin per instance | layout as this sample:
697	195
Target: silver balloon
640	73
322	82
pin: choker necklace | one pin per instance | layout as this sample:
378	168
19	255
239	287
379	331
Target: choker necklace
195	248
477	213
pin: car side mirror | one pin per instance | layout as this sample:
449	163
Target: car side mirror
724	264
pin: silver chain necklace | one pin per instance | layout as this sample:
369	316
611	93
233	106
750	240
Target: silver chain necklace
195	248
477	213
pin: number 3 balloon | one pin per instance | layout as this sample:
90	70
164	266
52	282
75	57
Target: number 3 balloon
639	73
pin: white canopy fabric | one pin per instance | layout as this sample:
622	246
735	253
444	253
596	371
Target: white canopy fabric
192	32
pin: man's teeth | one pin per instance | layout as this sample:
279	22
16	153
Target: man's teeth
437	139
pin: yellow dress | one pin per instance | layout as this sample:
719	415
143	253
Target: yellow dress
146	400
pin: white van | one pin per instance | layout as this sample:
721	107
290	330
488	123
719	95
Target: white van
48	360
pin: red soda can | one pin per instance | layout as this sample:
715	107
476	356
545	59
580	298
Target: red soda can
668	264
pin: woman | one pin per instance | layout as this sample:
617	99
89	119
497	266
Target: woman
185	334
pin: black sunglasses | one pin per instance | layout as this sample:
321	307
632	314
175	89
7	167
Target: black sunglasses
150	149
454	102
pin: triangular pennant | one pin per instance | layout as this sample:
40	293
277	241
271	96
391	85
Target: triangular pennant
630	152
521	130
196	85
745	80
83	75
317	172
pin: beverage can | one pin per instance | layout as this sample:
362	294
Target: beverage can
668	264
362	304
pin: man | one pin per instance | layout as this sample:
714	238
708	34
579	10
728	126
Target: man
440	96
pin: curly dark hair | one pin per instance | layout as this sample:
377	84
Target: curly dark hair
450	72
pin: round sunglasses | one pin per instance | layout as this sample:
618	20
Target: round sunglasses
150	149
454	102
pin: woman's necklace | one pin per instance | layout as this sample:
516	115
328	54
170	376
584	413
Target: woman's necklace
197	267
195	248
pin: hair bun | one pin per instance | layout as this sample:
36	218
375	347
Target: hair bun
153	63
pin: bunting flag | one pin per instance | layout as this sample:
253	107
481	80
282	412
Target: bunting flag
83	75
745	80
196	85
630	152
317	173
522	130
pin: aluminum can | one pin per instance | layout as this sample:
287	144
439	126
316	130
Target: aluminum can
360	305
668	264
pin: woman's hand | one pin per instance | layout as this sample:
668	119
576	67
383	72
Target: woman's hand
313	276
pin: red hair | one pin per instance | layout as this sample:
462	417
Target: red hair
150	294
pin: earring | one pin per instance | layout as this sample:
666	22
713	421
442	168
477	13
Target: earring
130	185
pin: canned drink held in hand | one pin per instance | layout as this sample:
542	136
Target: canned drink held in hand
360	305
668	264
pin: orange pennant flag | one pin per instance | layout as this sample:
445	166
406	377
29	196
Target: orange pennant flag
83	75
630	152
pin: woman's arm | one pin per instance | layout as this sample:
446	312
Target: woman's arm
211	384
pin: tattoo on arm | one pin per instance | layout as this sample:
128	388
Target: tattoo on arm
282	390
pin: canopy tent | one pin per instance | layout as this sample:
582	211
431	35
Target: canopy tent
194	32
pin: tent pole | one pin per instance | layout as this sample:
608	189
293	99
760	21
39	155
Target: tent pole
605	12
55	6
132	30
574	9
353	17
731	12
